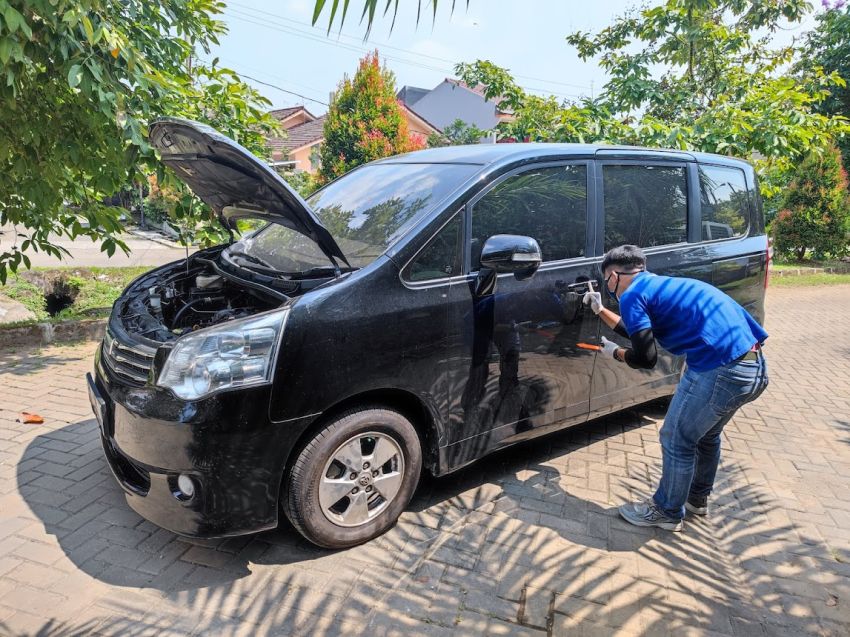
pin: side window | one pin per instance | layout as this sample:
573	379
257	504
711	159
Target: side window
546	204
724	202
645	205
440	259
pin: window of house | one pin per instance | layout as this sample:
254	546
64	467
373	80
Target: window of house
440	259
724	202
645	205
546	204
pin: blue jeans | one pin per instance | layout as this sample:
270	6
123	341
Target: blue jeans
690	437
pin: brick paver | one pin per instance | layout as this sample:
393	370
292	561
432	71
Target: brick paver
526	542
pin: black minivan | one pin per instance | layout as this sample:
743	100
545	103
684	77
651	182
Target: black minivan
417	313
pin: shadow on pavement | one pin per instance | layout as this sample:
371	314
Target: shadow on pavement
528	537
29	359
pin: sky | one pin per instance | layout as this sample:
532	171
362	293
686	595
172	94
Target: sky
271	42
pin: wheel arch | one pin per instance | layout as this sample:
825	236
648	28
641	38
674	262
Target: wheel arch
422	416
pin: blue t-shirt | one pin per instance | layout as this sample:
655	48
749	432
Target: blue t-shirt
690	318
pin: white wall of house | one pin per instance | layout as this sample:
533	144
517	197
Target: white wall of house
448	102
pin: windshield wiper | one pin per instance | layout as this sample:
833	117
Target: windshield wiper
252	258
258	264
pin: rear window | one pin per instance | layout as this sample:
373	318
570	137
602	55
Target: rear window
724	202
645	205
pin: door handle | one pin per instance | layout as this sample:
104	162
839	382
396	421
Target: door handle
589	286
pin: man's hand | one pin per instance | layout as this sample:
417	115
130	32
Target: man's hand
609	347
594	300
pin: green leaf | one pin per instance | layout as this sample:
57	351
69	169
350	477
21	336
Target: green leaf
75	75
95	69
6	45
317	10
14	19
88	28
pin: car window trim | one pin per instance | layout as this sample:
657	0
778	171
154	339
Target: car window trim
471	276
407	282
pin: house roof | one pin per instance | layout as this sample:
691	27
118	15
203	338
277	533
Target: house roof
283	114
412	94
299	136
480	89
424	121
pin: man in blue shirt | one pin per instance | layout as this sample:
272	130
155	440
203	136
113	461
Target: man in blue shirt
725	370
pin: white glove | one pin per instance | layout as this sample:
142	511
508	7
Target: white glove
594	300
609	347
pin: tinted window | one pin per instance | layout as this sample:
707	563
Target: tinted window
441	257
547	204
724	202
645	205
365	211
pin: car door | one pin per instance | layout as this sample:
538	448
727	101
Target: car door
648	203
515	366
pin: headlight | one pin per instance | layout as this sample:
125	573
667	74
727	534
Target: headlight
235	354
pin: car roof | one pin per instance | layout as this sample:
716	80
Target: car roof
485	154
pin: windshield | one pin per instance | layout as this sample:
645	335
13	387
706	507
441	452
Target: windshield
365	212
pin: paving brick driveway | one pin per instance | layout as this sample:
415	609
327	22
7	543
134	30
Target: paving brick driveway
526	542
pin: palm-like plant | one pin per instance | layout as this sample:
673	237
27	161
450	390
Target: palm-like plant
370	7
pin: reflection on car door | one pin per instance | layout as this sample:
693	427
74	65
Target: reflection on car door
515	368
643	204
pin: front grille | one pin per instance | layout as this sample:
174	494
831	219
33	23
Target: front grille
130	363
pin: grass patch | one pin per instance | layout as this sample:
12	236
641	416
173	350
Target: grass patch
808	280
97	289
27	294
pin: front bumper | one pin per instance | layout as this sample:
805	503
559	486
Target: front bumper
226	443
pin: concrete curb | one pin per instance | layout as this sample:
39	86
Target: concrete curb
148	236
46	333
807	271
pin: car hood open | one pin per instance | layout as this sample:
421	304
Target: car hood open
233	182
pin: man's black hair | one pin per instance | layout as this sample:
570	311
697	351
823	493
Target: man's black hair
626	257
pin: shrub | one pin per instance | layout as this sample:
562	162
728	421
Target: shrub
302	182
815	213
365	121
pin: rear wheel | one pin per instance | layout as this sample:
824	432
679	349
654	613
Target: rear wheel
353	479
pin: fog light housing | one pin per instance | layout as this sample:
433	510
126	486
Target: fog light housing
185	487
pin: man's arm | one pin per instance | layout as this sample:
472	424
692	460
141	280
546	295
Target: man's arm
643	354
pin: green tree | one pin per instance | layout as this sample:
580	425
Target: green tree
815	213
688	74
214	96
455	134
79	81
364	121
828	46
304	183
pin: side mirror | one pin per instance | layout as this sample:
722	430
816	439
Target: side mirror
507	253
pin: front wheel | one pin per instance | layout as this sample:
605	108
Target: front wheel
353	479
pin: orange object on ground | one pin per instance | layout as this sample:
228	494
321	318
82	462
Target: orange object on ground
31	419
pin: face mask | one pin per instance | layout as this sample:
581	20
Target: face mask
614	294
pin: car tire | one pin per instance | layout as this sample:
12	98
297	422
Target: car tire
339	462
